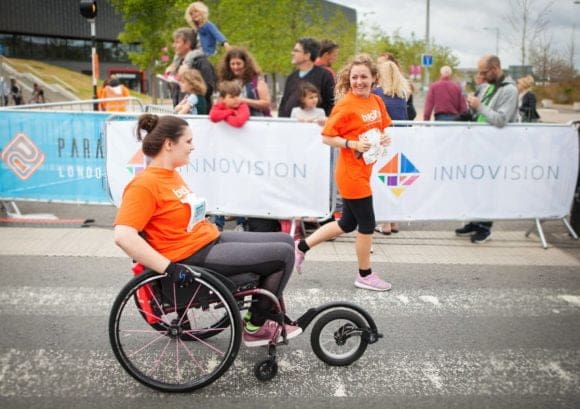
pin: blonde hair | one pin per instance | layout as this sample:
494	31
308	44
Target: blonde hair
343	77
526	82
198	6
193	77
392	81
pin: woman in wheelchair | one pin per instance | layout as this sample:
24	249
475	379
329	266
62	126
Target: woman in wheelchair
158	203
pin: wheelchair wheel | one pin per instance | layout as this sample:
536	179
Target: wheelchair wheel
153	351
146	306
338	337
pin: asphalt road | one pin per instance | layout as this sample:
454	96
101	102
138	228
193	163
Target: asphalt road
465	326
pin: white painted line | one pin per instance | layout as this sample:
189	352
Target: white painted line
572	299
404	299
432	374
430	299
83	301
521	372
339	390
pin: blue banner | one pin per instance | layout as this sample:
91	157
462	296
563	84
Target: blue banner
53	156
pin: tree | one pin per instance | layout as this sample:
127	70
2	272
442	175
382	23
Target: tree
267	28
408	51
150	24
527	23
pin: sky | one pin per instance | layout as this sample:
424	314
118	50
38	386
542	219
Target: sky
459	25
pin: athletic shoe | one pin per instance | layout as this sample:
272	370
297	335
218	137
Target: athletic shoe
239	227
481	236
267	332
372	282
467	230
298	258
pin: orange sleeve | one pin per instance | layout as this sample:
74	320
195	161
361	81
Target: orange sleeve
137	207
335	121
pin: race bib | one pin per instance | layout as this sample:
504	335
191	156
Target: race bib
197	205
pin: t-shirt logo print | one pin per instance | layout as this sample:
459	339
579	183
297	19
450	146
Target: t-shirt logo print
398	174
371	116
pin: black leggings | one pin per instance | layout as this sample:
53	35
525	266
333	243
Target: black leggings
358	212
270	255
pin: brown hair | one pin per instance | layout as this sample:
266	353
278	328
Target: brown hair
251	68
232	88
305	89
158	129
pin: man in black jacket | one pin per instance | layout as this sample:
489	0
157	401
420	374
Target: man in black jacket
304	54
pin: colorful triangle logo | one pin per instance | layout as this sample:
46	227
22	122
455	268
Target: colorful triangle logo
398	174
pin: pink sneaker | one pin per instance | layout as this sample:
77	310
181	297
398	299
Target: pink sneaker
298	258
266	333
372	282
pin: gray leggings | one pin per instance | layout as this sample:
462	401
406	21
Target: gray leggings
270	255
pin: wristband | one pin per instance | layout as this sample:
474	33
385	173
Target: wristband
346	143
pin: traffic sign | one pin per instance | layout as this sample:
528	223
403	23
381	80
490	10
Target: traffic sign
426	60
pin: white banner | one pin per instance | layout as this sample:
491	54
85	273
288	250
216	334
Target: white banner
476	172
280	168
269	168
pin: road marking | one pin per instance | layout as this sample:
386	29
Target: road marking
572	299
432	374
509	372
83	301
430	299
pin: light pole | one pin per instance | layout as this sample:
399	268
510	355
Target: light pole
88	9
496	29
426	69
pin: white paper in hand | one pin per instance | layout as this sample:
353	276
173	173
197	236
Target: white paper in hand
376	150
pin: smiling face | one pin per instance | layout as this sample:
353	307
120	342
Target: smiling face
181	149
361	80
196	16
237	67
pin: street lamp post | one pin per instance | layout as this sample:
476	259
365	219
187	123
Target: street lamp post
496	29
426	69
88	9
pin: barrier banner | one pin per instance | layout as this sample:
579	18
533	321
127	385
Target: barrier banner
476	172
269	168
52	156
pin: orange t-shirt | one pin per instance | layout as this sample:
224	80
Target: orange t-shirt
152	203
350	117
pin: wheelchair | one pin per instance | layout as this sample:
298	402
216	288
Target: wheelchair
175	339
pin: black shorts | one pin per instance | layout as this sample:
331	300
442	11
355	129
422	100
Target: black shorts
358	212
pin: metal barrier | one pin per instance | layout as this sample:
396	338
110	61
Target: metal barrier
575	210
94	134
133	105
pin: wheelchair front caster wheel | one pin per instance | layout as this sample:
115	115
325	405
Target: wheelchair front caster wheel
266	370
338	337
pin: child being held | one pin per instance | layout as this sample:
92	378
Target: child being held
229	108
308	111
193	86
